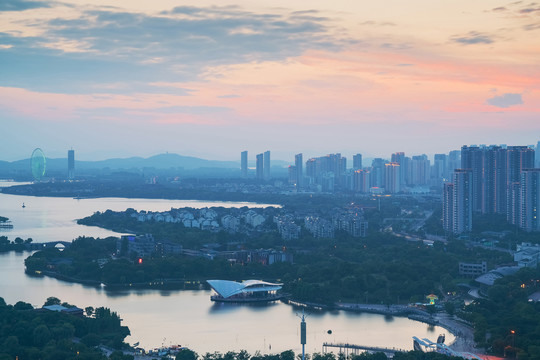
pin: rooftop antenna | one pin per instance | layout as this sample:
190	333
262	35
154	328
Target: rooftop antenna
303	333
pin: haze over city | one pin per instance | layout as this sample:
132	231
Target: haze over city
212	79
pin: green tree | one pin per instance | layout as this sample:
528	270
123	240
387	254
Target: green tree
41	336
186	354
52	301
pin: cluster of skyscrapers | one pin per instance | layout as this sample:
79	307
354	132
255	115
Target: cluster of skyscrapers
493	180
484	179
262	165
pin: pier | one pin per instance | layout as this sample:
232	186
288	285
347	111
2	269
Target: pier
355	349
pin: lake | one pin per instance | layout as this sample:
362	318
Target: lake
183	317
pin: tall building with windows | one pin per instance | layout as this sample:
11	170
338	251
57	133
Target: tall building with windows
529	206
266	166
420	170
538	155
357	162
361	181
457	200
259	163
440	166
454	162
298	163
472	158
71	164
402	160
494	184
392	178
244	163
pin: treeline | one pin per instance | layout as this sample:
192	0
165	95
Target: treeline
187	354
18	244
378	269
31	334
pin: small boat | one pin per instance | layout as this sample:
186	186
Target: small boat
23	205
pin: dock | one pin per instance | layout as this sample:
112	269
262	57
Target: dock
347	348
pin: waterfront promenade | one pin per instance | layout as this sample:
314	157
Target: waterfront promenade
463	332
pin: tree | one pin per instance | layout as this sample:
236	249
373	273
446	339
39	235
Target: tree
18	240
89	311
287	355
187	354
21	305
41	335
52	301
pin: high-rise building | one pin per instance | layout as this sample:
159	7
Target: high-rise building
494	186
244	163
292	172
454	162
357	162
378	172
457	196
298	164
361	179
472	158
448	207
266	165
259	163
392	178
529	216
538	155
399	158
519	158
420	170
440	166
71	164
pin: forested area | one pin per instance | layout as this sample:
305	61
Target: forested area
32	334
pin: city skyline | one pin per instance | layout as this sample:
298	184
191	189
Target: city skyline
139	79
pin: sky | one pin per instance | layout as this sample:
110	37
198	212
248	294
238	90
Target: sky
213	78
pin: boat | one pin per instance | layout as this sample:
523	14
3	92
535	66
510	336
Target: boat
23	205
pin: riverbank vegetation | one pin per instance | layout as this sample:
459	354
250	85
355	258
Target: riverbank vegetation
381	268
36	333
289	355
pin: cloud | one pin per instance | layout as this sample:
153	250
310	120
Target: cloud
107	45
21	5
229	96
530	27
473	37
505	100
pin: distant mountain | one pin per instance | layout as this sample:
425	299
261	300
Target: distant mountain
161	161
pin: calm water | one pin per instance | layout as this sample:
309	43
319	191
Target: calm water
52	219
183	317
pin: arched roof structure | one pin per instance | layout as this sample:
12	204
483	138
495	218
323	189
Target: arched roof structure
226	288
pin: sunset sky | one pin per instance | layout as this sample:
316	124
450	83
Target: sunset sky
210	79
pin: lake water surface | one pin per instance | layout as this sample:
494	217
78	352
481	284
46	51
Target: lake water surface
183	317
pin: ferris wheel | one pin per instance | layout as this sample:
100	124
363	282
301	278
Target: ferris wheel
38	164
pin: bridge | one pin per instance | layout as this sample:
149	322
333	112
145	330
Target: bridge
354	348
52	244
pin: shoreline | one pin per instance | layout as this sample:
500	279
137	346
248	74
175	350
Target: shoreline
463	333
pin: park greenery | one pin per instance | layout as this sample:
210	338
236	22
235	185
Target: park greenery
29	333
18	244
